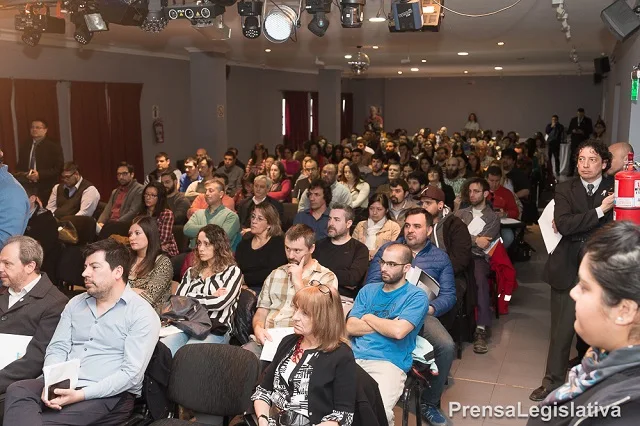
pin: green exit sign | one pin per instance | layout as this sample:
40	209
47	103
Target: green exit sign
634	89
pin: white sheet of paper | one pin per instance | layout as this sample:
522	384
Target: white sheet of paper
169	330
476	226
270	347
62	371
509	221
550	237
14	346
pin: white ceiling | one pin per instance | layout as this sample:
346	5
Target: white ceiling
534	43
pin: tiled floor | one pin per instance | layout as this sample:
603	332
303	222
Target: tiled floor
515	363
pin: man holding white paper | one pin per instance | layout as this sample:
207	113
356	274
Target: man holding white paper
484	226
30	308
112	331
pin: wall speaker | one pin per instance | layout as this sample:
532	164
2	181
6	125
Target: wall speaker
597	79
602	65
621	19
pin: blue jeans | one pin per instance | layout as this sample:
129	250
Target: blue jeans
444	350
178	340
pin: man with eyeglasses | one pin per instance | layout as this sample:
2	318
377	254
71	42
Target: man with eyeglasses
386	318
76	196
40	160
418	227
310	170
125	201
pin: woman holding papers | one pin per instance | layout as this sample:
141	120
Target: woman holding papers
312	379
215	281
604	389
151	271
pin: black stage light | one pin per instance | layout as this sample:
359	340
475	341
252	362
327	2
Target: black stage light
319	9
352	13
251	18
31	37
156	19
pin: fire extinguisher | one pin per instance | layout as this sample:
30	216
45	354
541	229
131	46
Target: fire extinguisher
627	193
158	130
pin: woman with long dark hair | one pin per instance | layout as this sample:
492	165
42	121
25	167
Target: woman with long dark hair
474	165
378	229
358	188
151	272
281	185
154	204
436	178
337	156
315	152
291	166
215	281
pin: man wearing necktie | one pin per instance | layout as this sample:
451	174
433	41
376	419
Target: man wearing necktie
40	160
582	206
580	129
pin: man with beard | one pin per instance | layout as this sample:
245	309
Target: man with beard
339	193
191	173
125	201
430	259
317	215
454	175
176	201
378	175
479	215
308	175
416	182
346	257
111	331
394	173
385	320
401	203
503	202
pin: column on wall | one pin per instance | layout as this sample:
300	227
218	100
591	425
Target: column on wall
330	104
208	87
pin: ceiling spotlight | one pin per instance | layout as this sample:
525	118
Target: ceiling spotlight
415	69
380	16
279	23
347	56
463	53
466	72
34	24
400	72
251	18
319	9
501	43
267	50
156	19
376	47
424	61
359	63
31	38
82	34
352	13
498	68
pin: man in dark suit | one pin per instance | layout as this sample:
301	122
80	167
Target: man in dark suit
582	205
580	129
40	160
30	305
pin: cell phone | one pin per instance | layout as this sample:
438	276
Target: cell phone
65	384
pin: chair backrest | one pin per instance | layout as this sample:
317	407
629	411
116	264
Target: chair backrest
182	240
212	378
243	320
290	211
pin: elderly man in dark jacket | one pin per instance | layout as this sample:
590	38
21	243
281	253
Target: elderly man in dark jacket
30	305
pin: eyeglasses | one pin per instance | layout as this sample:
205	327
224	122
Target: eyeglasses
390	264
324	289
258	218
66	177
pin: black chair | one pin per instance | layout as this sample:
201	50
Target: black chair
416	382
214	379
243	318
181	240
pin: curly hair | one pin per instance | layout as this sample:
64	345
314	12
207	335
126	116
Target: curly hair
222	254
600	148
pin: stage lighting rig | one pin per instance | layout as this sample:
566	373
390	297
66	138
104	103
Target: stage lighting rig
280	22
352	13
251	17
87	18
319	9
32	22
200	15
156	19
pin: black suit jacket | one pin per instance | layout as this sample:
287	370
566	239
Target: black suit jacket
49	162
576	222
36	314
585	125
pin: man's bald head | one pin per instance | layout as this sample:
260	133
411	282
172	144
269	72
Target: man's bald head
619	152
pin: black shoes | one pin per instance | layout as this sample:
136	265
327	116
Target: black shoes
480	345
539	394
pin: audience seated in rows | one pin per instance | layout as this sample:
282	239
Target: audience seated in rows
75	197
378	229
215	281
163	164
316	216
154	204
112	331
348	257
125	201
206	168
262	247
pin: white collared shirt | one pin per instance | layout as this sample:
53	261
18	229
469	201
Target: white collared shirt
15	297
596	184
88	202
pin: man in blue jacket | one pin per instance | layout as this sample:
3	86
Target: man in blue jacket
14	205
435	262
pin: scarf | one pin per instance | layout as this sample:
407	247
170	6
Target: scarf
372	231
596	366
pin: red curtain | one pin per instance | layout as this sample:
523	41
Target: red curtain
7	141
296	118
124	122
90	133
36	99
346	122
316	118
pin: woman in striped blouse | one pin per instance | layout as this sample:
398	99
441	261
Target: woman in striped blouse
215	281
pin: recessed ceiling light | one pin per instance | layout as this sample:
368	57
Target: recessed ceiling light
463	53
399	72
415	69
466	72
498	68
424	60
347	56
267	50
501	43
375	47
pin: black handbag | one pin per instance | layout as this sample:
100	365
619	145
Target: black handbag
188	315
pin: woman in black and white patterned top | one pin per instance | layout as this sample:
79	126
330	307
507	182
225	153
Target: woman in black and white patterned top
312	379
215	281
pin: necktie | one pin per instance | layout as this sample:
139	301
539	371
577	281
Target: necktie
32	160
590	190
66	192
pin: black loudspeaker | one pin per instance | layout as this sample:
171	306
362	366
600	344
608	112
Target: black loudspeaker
621	19
597	78
602	65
